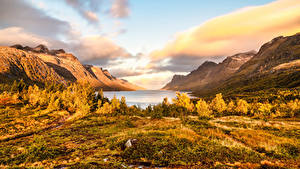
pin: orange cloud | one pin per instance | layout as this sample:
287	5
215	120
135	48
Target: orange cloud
242	30
151	80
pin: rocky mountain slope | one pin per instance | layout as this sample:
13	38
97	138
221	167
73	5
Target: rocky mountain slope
209	73
276	65
40	64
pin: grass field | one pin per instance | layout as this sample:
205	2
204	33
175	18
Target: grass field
72	127
46	139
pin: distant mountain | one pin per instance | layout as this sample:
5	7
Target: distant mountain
209	74
40	64
276	65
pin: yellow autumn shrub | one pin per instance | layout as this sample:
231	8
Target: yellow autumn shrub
183	100
218	104
203	108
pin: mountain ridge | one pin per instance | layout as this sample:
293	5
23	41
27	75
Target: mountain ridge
40	64
275	65
202	76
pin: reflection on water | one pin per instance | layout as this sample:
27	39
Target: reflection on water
142	98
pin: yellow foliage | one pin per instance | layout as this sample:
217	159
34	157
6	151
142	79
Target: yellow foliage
230	106
242	106
264	109
183	100
203	108
294	107
105	109
115	103
218	104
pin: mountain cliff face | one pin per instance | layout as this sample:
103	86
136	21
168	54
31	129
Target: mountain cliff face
40	64
209	73
275	65
17	64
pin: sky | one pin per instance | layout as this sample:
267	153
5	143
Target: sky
148	41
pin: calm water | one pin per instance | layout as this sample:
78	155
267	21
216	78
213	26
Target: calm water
142	98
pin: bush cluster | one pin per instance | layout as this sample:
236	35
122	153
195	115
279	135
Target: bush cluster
183	106
81	99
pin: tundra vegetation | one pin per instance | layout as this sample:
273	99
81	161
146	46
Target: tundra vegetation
54	126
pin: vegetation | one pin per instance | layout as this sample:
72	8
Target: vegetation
57	126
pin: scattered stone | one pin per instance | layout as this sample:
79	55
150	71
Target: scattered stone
130	143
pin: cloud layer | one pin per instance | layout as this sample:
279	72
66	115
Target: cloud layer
86	8
120	9
17	13
240	31
17	35
98	50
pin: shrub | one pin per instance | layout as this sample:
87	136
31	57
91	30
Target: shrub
294	107
115	103
242	106
123	110
157	112
203	108
183	100
105	109
38	150
218	104
264	109
54	103
230	107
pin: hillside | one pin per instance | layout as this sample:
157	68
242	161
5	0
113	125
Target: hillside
209	74
275	65
40	64
73	128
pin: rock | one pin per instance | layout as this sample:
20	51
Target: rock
27	48
41	49
17	46
55	52
130	143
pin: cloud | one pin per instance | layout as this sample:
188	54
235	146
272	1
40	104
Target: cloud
86	8
240	31
98	50
16	35
17	13
151	80
125	72
92	50
120	9
131	66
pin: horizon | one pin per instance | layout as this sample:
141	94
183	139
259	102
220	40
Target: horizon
132	40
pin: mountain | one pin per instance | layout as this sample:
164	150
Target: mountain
275	65
209	74
40	64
